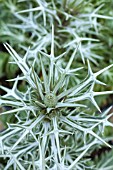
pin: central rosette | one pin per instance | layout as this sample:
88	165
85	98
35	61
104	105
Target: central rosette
50	100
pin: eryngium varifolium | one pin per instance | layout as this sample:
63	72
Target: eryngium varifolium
52	130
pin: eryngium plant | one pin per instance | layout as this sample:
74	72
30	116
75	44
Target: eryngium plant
76	21
52	130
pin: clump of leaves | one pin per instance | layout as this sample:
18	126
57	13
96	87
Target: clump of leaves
53	129
76	22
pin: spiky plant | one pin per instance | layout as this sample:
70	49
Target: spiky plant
28	23
52	129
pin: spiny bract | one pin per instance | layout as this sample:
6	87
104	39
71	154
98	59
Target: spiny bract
51	123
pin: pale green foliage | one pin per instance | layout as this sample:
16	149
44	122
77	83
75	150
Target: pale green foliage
53	129
47	137
105	161
75	22
28	23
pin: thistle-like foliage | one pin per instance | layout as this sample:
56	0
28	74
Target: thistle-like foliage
52	130
78	24
32	21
